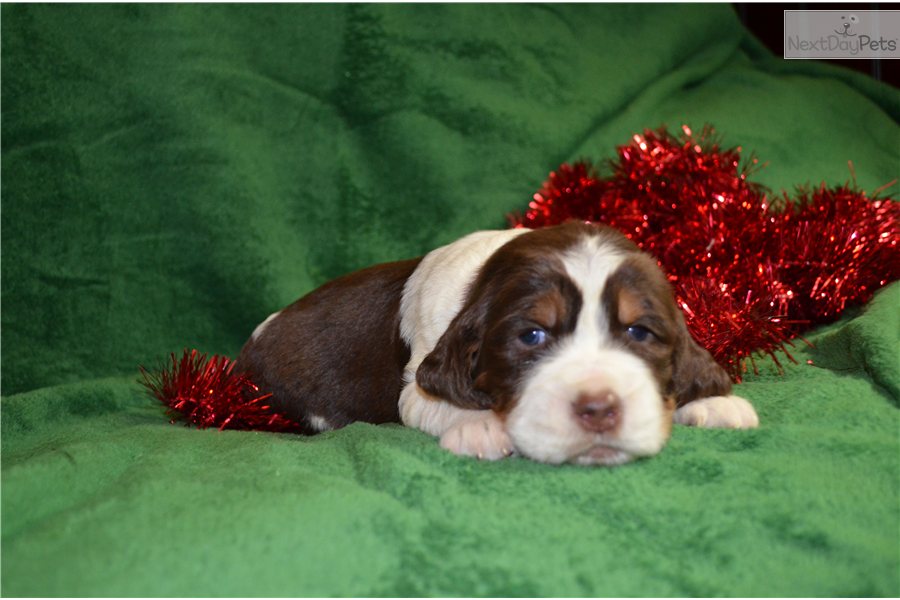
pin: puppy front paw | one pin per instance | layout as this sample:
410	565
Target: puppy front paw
482	436
731	412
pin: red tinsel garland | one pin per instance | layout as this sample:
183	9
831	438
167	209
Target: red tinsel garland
748	276
209	393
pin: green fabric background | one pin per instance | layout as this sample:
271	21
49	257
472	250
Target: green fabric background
173	174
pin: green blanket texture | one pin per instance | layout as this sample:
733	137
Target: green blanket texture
173	174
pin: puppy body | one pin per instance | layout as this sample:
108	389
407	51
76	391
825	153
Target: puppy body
563	344
335	356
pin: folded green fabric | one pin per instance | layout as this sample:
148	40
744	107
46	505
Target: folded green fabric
173	174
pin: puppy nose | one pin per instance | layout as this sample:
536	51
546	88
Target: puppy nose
599	412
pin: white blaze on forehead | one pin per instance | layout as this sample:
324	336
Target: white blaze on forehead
589	265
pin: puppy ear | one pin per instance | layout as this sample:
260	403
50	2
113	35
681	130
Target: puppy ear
448	371
696	375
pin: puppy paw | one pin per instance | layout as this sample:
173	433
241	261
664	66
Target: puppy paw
732	412
482	436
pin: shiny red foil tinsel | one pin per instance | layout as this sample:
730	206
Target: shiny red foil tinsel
208	392
750	272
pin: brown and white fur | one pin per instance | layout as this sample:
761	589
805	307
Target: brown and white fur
561	344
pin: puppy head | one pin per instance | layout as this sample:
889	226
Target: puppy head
571	334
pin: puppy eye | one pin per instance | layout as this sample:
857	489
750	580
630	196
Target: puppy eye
533	337
639	333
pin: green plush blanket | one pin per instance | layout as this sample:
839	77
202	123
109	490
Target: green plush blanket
173	174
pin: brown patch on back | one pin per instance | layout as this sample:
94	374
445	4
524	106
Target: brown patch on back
337	353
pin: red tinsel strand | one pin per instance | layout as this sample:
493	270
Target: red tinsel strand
209	393
749	278
839	248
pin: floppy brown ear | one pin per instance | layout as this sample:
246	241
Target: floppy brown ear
696	375
448	371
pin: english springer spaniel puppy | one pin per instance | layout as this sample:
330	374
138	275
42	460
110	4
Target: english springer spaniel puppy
561	344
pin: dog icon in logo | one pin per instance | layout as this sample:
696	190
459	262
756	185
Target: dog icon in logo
848	22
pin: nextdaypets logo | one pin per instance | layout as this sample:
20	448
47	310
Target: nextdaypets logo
841	34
